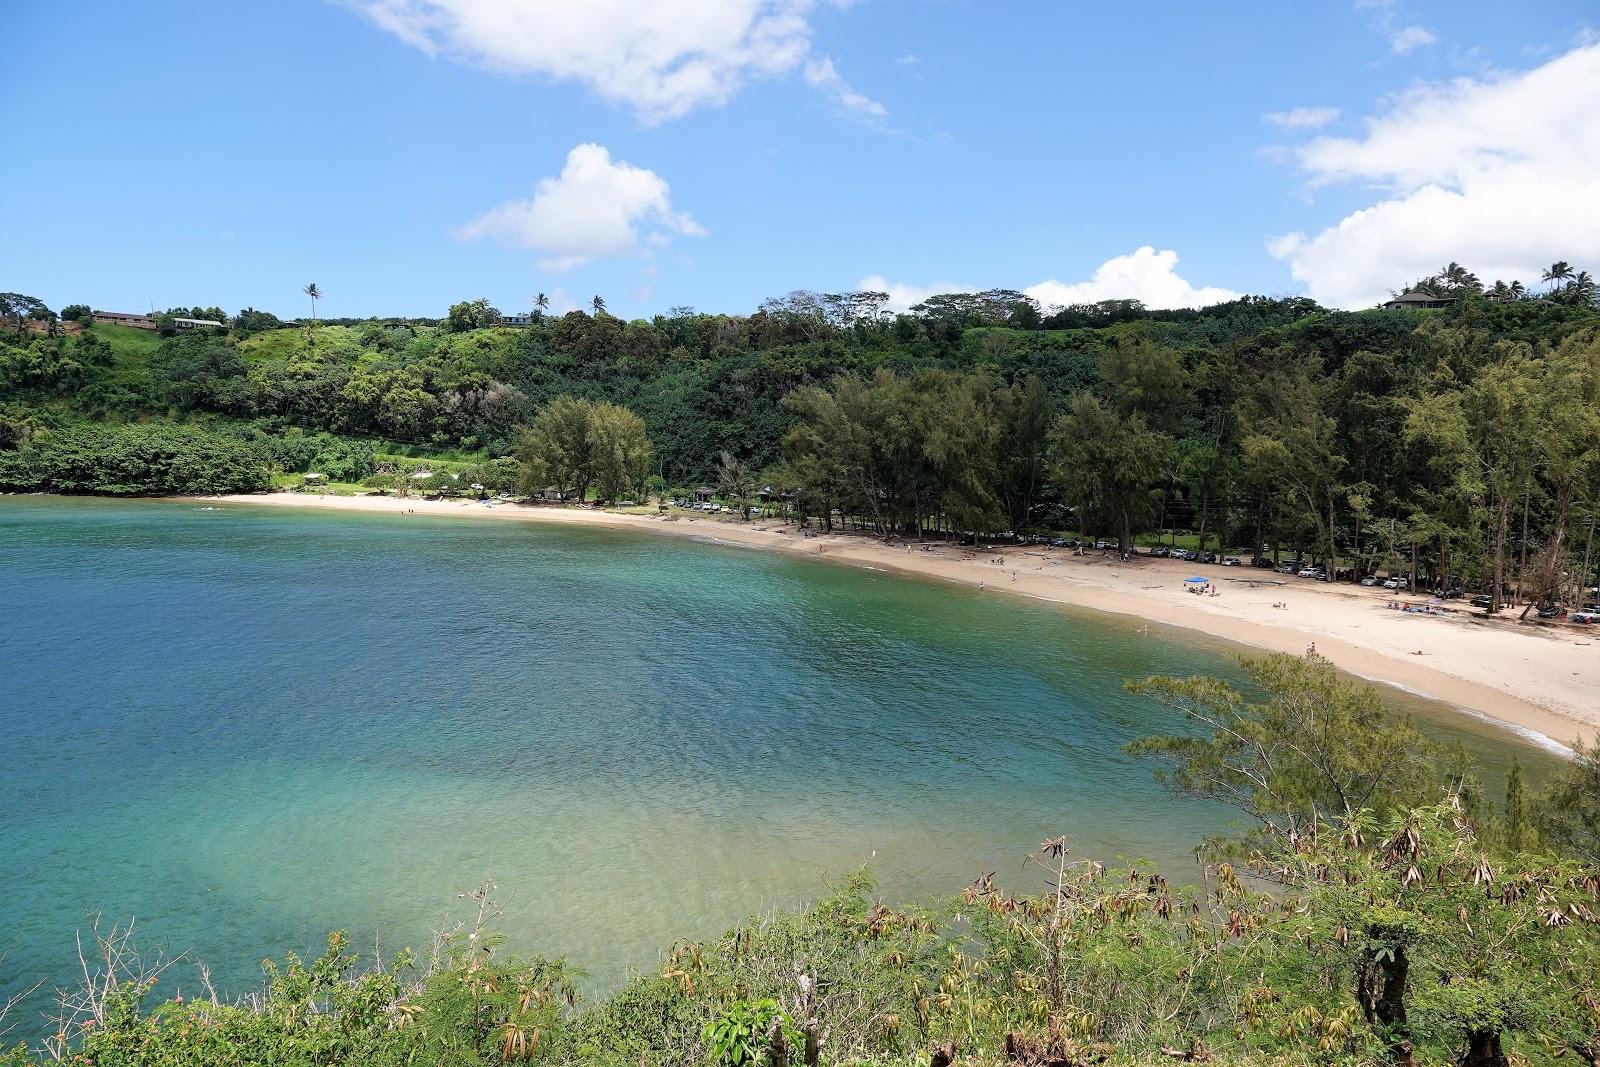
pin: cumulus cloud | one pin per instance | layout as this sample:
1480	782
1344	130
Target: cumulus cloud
594	208
1302	118
662	58
1144	275
1500	174
902	296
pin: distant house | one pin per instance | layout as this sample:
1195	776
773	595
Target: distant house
122	318
195	324
704	493
516	320
553	495
1416	298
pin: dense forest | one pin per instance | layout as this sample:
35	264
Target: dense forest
1372	908
1458	445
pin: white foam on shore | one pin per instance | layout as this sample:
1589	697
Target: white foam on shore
1527	733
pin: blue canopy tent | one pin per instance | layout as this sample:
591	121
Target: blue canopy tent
1196	580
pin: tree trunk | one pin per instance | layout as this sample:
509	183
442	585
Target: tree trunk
1522	567
1483	1050
1502	520
1382	994
777	1044
1583	579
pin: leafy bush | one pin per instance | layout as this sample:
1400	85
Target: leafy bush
145	459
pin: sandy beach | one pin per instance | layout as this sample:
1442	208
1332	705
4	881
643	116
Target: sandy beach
1543	679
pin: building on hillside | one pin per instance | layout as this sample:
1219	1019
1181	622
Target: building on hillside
123	318
516	320
1416	298
196	324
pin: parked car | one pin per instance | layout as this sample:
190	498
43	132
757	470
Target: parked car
1159	552
1308	572
1551	612
1369	581
1391	583
1585	618
1483	600
1232	561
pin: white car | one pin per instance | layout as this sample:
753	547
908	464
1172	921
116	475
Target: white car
1369	582
1308	572
1391	583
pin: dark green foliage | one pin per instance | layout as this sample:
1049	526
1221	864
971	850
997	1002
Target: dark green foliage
1375	441
1319	747
133	460
1567	813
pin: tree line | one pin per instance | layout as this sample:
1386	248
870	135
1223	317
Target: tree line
1454	445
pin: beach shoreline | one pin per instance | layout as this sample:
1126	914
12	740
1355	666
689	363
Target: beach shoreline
1539	681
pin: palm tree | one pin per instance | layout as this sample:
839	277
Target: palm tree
599	304
1500	292
1518	290
1460	279
540	302
1559	271
1582	290
315	294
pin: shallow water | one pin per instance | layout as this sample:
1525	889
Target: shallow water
247	727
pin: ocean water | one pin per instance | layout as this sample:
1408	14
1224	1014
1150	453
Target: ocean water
246	727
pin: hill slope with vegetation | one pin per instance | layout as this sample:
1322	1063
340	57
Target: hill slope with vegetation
1461	445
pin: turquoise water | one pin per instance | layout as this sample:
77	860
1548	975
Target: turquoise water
247	727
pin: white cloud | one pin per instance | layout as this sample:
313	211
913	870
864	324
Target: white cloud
1144	275
1302	118
821	75
903	297
1499	174
662	58
910	59
1403	42
594	208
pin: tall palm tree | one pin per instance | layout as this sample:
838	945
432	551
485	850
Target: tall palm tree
1500	292
315	294
1559	271
1582	288
1518	290
599	304
540	302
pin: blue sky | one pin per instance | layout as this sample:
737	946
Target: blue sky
717	152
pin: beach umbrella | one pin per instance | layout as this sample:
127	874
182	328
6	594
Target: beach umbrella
1196	580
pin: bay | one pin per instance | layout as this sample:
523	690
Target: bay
247	727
